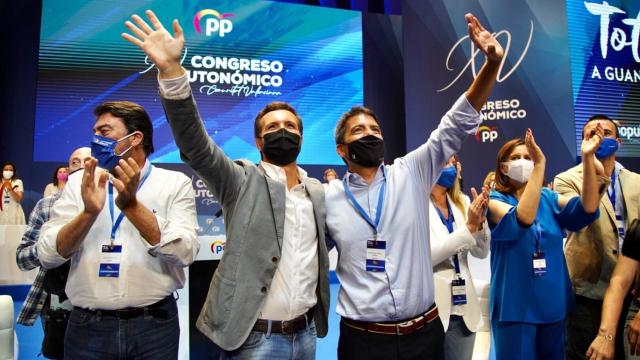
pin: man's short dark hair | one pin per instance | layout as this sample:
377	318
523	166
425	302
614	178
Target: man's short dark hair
273	106
341	127
134	117
601	117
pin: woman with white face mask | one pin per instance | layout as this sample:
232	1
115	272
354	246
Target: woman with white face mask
530	288
12	192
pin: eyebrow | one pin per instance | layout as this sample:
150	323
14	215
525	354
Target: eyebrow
102	127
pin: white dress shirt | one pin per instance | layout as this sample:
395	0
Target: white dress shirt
293	288
147	273
405	289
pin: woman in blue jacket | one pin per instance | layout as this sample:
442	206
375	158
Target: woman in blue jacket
530	288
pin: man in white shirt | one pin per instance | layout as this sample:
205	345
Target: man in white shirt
269	297
129	233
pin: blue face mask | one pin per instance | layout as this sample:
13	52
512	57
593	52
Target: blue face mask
607	147
447	177
104	150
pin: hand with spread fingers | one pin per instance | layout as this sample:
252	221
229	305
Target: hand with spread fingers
483	39
126	182
162	48
93	193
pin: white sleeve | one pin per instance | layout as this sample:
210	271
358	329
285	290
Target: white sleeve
426	162
175	89
178	238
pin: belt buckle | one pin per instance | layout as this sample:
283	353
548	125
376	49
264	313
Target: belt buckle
404	325
285	327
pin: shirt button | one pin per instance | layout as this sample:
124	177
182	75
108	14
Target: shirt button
263	290
274	259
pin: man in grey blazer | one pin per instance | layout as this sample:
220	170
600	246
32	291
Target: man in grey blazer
269	297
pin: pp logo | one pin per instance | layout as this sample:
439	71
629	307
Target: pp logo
486	133
217	247
216	24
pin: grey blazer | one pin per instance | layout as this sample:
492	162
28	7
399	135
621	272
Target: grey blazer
254	210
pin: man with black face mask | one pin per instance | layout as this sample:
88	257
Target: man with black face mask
376	216
269	296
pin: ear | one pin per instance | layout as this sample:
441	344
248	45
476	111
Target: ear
504	169
259	143
137	139
341	149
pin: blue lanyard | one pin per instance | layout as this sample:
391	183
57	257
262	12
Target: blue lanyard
356	205
115	225
448	222
612	195
537	232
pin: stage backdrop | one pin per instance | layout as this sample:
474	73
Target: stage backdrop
239	55
533	88
604	39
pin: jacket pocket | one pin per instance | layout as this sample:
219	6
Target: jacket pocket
219	301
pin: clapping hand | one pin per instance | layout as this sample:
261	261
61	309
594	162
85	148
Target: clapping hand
476	214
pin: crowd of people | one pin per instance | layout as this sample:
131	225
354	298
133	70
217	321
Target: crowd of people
114	234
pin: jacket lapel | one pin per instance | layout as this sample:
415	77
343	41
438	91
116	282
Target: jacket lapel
316	194
277	193
629	195
604	200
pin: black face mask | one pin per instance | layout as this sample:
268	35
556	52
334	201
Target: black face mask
281	147
368	151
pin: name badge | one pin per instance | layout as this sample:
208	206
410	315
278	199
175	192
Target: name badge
458	292
539	264
110	258
376	255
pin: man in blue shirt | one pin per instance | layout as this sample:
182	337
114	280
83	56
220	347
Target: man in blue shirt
377	217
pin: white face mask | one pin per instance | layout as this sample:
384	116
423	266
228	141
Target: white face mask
7	174
519	170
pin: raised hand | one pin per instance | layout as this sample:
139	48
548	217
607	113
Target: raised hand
162	48
534	150
126	182
483	39
476	214
590	143
93	194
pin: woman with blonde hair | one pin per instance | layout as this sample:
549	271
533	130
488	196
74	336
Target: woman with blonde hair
458	227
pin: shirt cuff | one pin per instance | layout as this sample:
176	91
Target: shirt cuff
176	88
465	115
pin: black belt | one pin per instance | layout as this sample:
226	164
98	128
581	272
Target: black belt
284	327
155	310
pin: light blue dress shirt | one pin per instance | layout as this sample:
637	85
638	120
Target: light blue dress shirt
405	289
